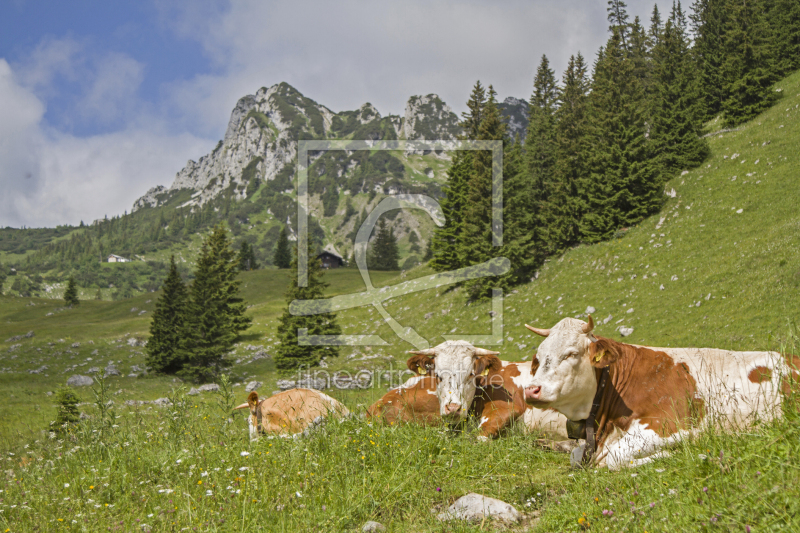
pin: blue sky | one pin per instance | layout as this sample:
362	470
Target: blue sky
99	100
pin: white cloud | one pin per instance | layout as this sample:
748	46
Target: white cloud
112	93
49	178
343	54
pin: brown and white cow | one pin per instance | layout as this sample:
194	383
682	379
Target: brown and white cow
475	381
414	401
290	411
653	396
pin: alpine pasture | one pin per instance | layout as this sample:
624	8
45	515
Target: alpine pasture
718	267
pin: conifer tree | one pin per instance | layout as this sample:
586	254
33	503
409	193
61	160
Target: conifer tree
623	185
477	245
518	240
215	314
784	18
541	158
572	129
247	257
618	19
448	239
747	62
98	295
675	122
283	252
656	27
67	413
289	355
163	350
3	277
708	27
71	294
384	254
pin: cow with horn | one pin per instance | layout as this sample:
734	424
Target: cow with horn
629	401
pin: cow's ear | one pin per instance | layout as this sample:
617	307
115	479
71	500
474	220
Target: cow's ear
252	399
604	352
487	363
421	364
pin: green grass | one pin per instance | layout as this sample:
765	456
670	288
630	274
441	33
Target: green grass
748	262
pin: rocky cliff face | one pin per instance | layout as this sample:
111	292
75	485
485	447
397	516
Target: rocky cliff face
260	140
515	113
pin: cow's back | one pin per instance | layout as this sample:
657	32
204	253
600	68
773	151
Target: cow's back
300	407
734	386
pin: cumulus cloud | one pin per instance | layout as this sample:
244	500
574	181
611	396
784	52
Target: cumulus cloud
343	54
49	177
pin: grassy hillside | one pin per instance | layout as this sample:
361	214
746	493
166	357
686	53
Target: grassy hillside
725	249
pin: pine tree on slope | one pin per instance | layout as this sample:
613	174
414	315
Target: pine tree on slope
215	314
163	350
71	294
448	239
477	244
541	158
675	122
572	127
785	21
708	26
624	184
289	354
747	62
283	252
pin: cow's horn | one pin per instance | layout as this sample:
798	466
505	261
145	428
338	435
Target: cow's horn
589	326
484	351
538	331
243	406
429	352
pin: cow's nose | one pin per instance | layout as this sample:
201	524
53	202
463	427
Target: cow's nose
533	393
451	408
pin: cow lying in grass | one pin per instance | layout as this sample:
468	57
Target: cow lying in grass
475	381
414	401
652	397
291	411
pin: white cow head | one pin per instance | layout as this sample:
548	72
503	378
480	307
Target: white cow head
566	379
456	364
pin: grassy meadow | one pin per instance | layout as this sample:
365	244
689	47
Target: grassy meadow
718	267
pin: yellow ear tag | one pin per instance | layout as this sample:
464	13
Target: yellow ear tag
599	356
485	372
422	371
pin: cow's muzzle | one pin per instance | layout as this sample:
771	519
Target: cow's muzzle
452	409
533	394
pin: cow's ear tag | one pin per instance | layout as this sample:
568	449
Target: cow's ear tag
422	370
599	356
485	372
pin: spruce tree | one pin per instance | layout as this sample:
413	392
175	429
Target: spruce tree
624	184
618	19
448	239
215	315
164	348
67	410
676	120
541	158
384	253
3	277
289	355
71	294
784	18
572	129
747	63
708	27
283	252
247	257
477	244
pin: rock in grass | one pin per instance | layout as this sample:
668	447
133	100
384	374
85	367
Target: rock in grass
79	381
625	331
477	507
208	387
253	385
373	526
